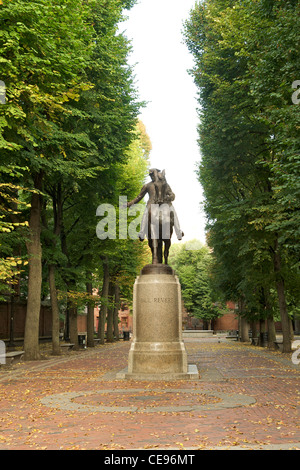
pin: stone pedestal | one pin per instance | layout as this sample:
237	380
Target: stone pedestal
157	351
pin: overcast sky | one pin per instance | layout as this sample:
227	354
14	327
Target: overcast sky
162	61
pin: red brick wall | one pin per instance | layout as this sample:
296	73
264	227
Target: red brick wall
229	321
126	319
81	324
45	326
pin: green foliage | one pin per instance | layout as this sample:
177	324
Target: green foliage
245	63
12	229
70	122
194	269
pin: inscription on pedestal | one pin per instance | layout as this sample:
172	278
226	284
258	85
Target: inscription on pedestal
161	300
157	349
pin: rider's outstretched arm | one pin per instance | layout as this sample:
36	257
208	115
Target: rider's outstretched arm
139	197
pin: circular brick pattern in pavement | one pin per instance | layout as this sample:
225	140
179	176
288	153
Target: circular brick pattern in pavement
145	401
142	399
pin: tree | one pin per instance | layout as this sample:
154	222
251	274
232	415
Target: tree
40	62
12	229
123	258
69	117
193	268
243	139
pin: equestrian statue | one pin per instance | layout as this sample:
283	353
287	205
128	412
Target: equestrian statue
159	218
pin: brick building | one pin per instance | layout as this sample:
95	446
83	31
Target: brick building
16	312
125	319
229	321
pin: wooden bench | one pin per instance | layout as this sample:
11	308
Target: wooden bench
68	345
9	357
233	335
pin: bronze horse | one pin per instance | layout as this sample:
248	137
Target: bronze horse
160	220
159	217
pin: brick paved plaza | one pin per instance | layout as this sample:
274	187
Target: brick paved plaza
246	398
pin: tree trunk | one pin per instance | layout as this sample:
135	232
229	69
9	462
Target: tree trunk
254	330
110	314
262	331
67	325
243	322
287	331
285	320
60	231
90	317
51	270
34	249
297	326
258	333
271	332
244	334
116	312
73	326
55	312
270	320
104	301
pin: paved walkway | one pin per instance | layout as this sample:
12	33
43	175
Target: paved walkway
246	398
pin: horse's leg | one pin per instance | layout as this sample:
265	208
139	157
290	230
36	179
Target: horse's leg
155	251
160	241
160	250
168	245
150	244
166	250
154	237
